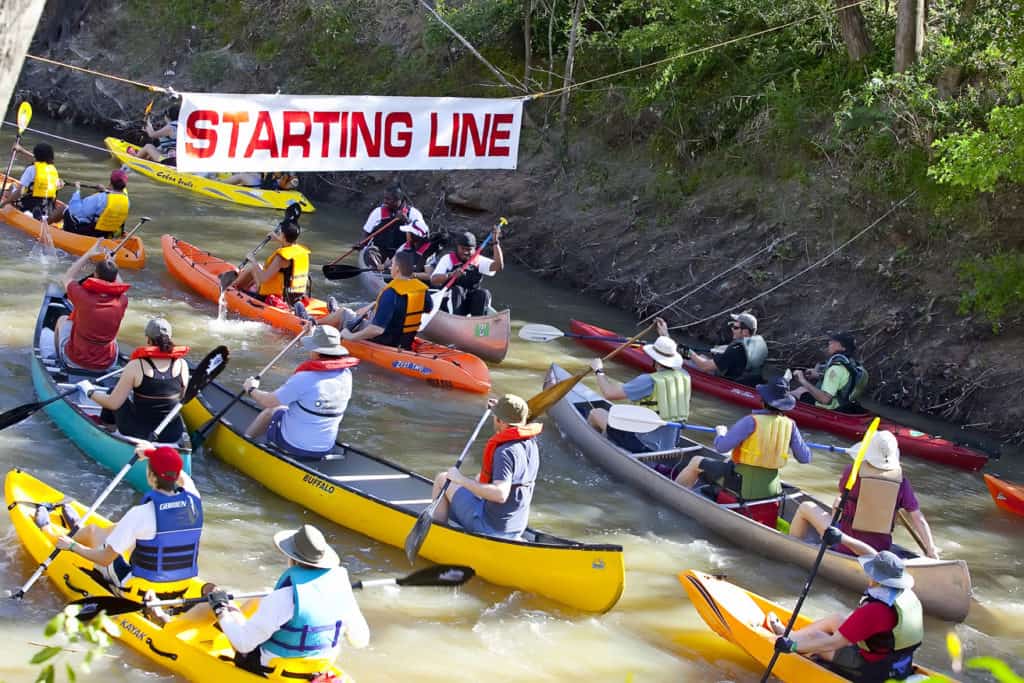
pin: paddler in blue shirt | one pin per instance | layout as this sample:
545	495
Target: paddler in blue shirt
99	215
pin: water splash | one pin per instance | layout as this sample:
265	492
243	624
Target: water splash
222	306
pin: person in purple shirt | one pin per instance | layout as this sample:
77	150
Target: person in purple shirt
760	445
879	494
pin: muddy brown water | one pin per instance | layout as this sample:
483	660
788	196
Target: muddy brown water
481	632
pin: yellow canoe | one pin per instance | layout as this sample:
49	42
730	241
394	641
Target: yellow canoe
382	500
738	616
209	187
196	651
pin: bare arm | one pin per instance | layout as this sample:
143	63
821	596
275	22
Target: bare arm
496	492
265	399
816	642
368	331
499	257
73	272
920	525
610	389
130	378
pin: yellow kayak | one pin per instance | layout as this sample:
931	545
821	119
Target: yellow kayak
738	616
209	187
198	652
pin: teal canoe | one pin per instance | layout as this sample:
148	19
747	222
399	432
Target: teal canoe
77	416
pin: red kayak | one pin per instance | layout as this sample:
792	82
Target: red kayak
1006	495
846	425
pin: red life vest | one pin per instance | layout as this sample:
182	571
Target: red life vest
99	307
98	286
155	352
328	365
505	436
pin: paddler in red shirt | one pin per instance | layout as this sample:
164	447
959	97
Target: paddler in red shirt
88	337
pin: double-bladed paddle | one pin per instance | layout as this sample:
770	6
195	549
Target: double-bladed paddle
642	420
332	271
205	372
228	277
199	436
343	271
24	116
442	575
783	639
536	332
418	534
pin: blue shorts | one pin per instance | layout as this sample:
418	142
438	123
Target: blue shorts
468	510
275	438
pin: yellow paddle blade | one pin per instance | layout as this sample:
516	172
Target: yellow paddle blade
149	108
956	653
553	394
24	116
868	435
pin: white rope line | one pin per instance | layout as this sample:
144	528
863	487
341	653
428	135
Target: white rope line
54	135
814	265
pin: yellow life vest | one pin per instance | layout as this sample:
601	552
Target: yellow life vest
415	293
292	279
45	184
909	630
876	499
768	446
113	217
671	395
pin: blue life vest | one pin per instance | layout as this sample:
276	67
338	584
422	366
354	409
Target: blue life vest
171	555
314	629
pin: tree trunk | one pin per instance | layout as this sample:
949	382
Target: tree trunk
909	33
527	41
570	59
19	19
854	30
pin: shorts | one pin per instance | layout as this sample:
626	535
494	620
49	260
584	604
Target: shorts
72	224
850	663
275	437
468	510
63	337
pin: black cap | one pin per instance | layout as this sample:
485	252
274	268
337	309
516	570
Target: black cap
467	239
846	339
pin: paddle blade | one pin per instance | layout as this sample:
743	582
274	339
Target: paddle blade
540	333
227	278
16	415
208	369
414	541
868	435
439	575
342	271
24	116
111	604
292	213
634	419
149	108
553	394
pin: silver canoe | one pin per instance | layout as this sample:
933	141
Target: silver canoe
486	336
943	586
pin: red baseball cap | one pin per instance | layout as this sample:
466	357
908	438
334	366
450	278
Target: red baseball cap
118	177
165	463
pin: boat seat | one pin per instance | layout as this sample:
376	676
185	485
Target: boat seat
765	510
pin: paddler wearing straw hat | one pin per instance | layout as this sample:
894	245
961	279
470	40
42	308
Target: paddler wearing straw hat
875	642
760	443
880	493
667	390
311	608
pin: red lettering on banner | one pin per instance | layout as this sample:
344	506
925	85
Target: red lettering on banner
371	140
479	136
201	126
403	138
501	134
235	118
433	148
290	139
343	144
325	119
263	137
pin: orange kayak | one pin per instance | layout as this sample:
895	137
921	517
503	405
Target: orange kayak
437	365
1006	495
132	255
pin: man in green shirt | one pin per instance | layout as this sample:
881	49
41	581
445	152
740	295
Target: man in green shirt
831	385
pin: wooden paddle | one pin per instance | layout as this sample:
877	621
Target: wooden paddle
199	436
443	575
228	277
205	372
641	420
783	639
553	394
329	268
418	534
24	116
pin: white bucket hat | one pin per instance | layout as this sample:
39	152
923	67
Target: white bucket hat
325	340
664	352
883	451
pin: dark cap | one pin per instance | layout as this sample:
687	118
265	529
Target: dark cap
118	178
846	339
466	239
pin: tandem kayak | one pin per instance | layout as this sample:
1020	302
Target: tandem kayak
739	616
208	187
437	365
1006	495
380	499
944	586
77	416
132	255
486	336
196	652
850	426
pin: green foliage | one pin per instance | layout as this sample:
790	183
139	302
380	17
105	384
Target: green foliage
999	669
995	286
94	634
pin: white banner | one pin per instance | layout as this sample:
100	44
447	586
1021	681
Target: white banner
267	133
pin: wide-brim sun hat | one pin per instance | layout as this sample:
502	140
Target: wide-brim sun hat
776	394
307	546
325	340
886	569
664	352
883	452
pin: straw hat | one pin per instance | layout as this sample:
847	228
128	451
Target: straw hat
307	546
664	352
